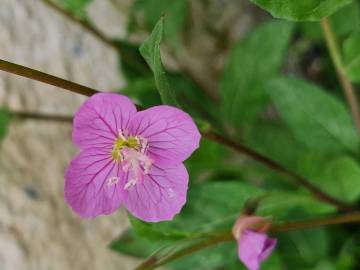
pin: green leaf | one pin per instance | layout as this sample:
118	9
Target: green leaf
301	10
191	98
76	7
208	159
325	265
292	205
131	63
303	249
131	244
150	231
315	117
276	141
150	50
341	179
342	23
4	121
349	254
143	91
251	63
352	56
213	258
206	259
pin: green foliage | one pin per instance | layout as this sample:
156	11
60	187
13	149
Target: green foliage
143	90
349	254
131	244
207	160
76	7
275	140
150	11
211	258
4	121
191	98
316	118
309	10
303	127
150	50
342	22
291	205
131	63
208	259
352	56
341	178
251	63
309	247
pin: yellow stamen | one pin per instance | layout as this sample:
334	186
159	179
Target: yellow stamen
120	143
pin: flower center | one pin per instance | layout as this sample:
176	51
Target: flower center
121	143
131	153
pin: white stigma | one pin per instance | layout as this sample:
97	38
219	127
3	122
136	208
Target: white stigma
112	181
136	163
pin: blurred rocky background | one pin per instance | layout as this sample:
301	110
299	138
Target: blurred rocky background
37	229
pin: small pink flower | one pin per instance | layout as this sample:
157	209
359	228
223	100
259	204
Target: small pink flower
253	246
129	157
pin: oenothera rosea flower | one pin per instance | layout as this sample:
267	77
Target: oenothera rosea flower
254	246
129	157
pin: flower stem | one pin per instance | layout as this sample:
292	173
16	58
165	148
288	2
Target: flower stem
299	180
76	88
353	217
45	78
153	262
347	87
41	116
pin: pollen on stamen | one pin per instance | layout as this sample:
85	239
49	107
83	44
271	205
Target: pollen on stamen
112	181
130	184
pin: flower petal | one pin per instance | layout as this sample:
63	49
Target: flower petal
98	120
160	196
171	133
254	247
93	184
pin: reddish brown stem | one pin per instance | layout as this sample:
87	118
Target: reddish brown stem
45	78
318	193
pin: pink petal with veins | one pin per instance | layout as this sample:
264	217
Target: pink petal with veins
171	133
160	196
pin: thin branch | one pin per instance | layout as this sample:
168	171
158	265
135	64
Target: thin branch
41	116
153	262
299	180
353	217
347	87
46	78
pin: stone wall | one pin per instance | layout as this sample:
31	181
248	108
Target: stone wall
37	229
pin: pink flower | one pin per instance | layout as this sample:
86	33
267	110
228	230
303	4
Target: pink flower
129	157
253	246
